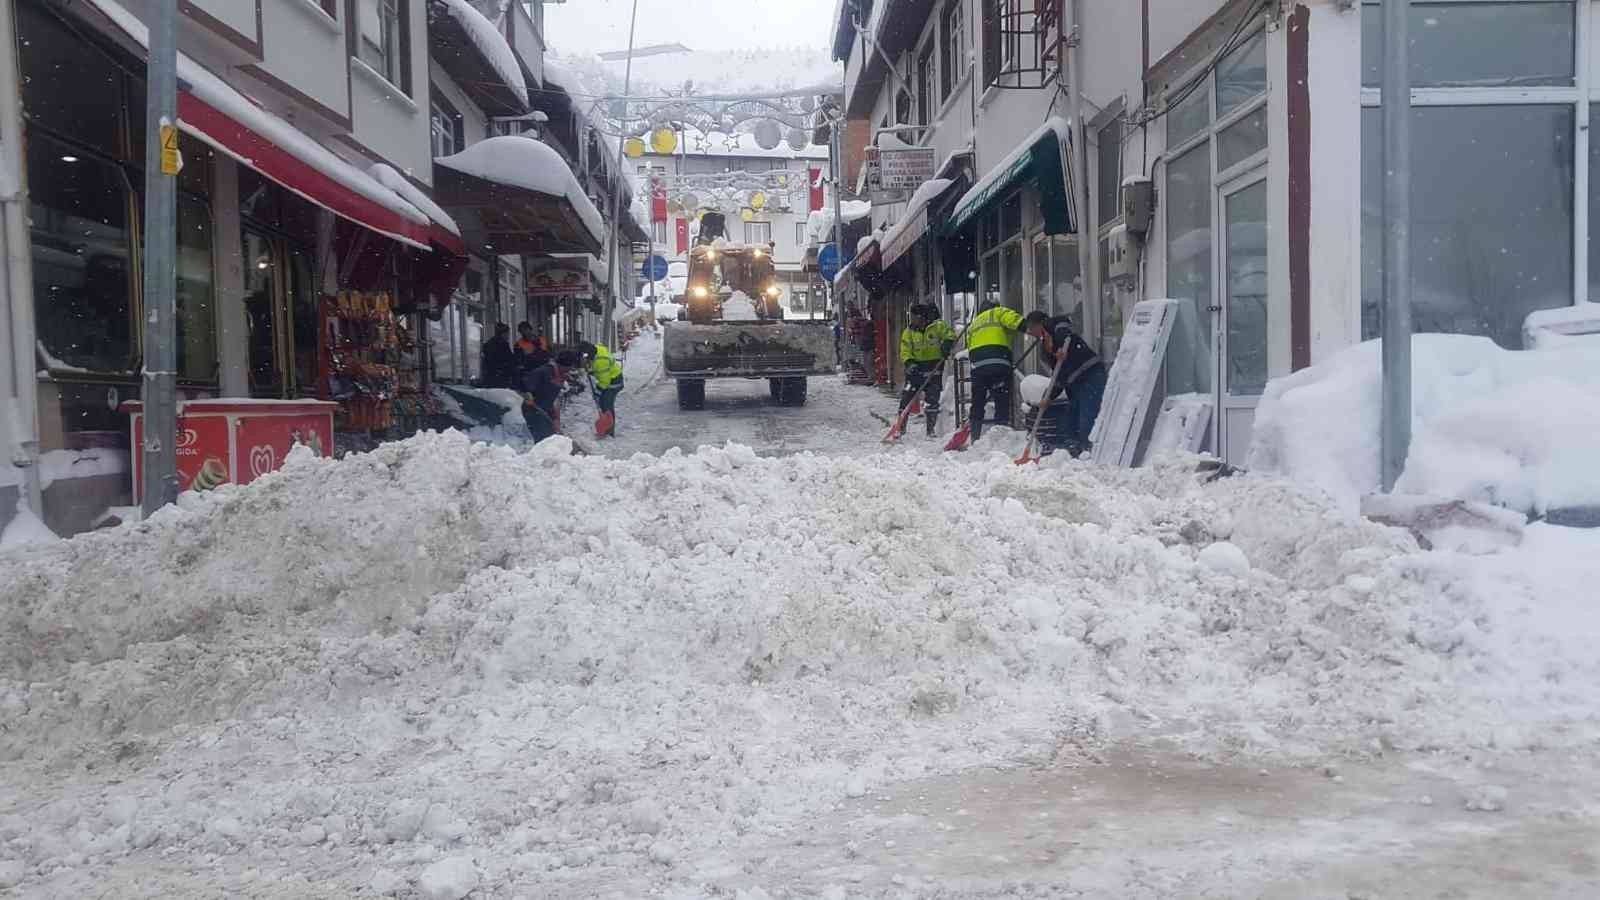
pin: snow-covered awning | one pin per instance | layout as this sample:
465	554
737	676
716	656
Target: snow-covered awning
515	194
913	223
1043	158
218	114
476	54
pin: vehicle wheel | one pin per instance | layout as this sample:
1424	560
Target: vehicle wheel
775	385
794	392
691	393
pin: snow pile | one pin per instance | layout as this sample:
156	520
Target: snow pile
25	530
492	44
454	667
1509	428
525	162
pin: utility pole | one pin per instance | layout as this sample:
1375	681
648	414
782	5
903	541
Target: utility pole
835	152
161	165
1396	423
614	266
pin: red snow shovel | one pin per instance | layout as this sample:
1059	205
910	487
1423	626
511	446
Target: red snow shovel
958	441
604	424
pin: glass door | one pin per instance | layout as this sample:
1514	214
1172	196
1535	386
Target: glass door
1241	317
281	316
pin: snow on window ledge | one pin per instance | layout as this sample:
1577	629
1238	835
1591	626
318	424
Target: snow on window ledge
387	86
313	10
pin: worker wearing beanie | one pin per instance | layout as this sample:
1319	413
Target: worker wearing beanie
1079	374
989	349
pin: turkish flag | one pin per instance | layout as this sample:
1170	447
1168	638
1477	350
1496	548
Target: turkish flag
683	235
816	189
658	198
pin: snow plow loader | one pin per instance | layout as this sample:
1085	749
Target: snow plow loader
735	326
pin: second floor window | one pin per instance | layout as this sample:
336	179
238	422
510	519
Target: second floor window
758	233
384	40
444	126
954	45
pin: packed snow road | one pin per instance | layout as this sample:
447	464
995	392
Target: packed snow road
448	669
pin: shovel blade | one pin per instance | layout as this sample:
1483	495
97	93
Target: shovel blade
958	441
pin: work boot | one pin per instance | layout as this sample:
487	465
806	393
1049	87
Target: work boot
933	424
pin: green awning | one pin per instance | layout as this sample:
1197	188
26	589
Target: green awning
1044	159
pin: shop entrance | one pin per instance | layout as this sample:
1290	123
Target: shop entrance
281	314
1241	318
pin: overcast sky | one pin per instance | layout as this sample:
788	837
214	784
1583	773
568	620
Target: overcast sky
596	26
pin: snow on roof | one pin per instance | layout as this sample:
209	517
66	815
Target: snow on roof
865	242
492	44
558	76
1054	123
919	200
394	181
640	213
855	210
229	101
531	164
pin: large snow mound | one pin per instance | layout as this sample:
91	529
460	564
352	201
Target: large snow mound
1507	427
549	664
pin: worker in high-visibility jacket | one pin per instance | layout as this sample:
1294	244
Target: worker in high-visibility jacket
989	350
607	374
924	344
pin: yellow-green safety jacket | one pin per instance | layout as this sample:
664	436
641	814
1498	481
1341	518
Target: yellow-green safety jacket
605	368
989	337
926	345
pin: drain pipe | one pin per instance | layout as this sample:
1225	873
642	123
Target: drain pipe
1080	162
20	386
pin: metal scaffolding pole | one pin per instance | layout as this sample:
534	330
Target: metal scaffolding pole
1396	422
161	166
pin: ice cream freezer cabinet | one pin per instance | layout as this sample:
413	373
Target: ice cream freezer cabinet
235	441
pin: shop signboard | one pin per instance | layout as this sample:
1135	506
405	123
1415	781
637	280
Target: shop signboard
894	174
563	277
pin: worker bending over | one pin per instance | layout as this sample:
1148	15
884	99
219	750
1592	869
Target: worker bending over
924	344
1079	374
541	394
989	350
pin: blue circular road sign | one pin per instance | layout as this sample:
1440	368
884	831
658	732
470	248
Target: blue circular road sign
828	261
654	268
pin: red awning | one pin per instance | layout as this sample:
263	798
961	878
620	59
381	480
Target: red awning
293	174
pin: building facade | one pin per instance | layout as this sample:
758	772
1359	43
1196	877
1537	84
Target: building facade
324	199
1256	125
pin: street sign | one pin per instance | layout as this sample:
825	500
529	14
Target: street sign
828	261
895	172
654	268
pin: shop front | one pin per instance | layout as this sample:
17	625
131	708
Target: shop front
298	275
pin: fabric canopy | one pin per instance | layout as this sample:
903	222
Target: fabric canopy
1043	159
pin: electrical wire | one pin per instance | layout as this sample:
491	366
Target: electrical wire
1228	46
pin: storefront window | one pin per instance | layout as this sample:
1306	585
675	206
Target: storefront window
197	322
1242	75
82	277
1189	270
51	57
1477	44
1242	140
1485	251
1056	279
1109	165
1189	116
1245	268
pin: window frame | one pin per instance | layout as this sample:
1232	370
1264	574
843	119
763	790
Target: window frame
927	99
1107	222
1581	95
396	68
752	229
953	49
440	107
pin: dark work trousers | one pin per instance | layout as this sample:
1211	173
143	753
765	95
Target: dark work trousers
916	373
990	381
1070	419
607	397
539	425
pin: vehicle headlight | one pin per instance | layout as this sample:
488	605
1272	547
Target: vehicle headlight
698	291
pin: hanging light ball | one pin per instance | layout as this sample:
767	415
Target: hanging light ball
633	147
758	200
798	139
664	141
768	135
747	214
